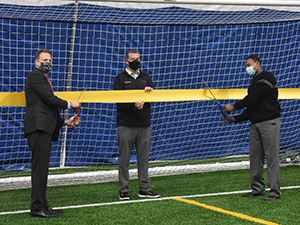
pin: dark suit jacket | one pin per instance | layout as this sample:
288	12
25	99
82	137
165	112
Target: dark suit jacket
42	106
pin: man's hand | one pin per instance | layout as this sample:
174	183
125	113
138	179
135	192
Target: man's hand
229	108
75	104
70	121
148	89
230	118
139	105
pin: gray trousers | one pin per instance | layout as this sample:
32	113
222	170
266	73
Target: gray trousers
127	138
264	142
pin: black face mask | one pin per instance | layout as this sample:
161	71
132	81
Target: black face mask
134	64
45	67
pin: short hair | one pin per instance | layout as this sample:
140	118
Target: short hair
130	51
38	53
255	58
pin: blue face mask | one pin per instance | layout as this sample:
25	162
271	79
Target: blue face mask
251	71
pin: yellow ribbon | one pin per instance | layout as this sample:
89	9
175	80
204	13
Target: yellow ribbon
18	98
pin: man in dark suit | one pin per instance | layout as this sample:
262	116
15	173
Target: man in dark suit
41	127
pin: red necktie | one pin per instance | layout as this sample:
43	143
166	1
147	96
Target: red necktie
49	82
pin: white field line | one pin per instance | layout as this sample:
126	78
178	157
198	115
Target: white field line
143	200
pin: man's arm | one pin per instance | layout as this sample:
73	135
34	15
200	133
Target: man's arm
239	118
40	86
263	87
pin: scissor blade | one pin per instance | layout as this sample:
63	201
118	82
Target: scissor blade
210	91
81	102
82	97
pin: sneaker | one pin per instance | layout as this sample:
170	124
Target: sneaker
149	194
124	196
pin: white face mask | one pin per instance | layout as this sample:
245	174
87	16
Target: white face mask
250	70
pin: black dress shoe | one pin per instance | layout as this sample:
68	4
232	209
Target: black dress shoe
43	213
270	198
59	211
251	194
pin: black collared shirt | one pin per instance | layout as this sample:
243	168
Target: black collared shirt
261	103
127	114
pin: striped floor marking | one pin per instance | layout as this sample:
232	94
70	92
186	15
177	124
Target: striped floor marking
239	215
